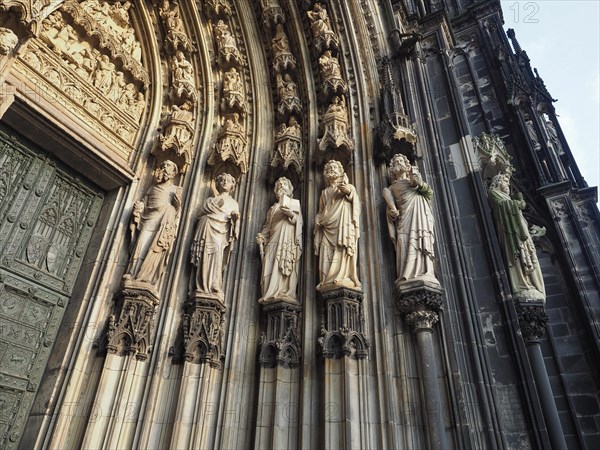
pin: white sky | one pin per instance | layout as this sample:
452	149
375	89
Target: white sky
562	40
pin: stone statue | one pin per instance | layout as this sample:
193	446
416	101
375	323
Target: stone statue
8	41
217	230
280	244
524	271
321	27
337	230
288	94
410	223
331	73
156	220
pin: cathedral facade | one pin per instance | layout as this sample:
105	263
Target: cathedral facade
289	224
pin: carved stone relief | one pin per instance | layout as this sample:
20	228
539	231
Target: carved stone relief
88	53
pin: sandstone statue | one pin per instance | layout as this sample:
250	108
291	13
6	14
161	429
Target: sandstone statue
154	228
410	223
280	244
337	229
524	271
217	230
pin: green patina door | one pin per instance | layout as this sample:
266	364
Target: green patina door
46	221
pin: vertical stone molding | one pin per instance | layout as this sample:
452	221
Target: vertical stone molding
343	325
280	343
203	320
132	322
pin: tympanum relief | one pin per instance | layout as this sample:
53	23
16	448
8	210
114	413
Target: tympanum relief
88	54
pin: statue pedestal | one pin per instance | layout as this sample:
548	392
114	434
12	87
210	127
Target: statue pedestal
279	344
533	321
419	302
343	324
203	318
132	322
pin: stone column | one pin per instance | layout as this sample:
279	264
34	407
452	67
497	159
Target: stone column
419	303
532	322
202	322
129	338
343	346
279	379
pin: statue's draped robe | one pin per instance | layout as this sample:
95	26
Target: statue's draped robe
212	243
283	247
412	233
158	229
524	270
336	240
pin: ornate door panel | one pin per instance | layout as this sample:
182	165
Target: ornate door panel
46	221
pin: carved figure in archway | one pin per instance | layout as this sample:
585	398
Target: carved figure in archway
217	230
524	271
410	222
156	220
280	244
337	229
